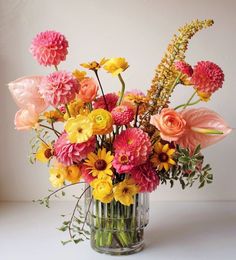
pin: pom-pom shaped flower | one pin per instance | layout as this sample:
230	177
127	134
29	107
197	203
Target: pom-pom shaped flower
207	77
111	100
79	129
69	153
49	48
184	68
132	148
102	121
146	177
102	189
116	65
59	87
124	191
26	118
25	91
88	90
122	115
170	124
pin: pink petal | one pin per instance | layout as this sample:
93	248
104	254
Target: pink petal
25	92
202	118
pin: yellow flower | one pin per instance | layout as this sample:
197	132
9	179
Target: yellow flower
58	173
204	96
53	116
79	74
44	153
79	129
102	121
116	65
75	107
73	174
162	157
124	192
94	65
102	189
100	164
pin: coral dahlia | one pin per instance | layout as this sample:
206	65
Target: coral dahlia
68	153
111	100
59	87
146	177
207	77
49	48
132	148
122	115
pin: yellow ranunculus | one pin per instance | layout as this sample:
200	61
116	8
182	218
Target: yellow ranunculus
124	192
102	189
44	153
102	121
58	174
79	129
79	74
116	65
75	108
73	174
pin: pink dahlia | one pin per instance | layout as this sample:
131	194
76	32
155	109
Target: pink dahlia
184	67
59	87
49	48
68	153
111	100
132	148
146	177
122	115
86	174
207	77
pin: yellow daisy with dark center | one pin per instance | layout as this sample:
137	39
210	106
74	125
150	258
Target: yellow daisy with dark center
100	164
163	156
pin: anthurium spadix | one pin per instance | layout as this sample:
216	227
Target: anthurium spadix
204	127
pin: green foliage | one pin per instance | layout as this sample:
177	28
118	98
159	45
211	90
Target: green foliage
188	169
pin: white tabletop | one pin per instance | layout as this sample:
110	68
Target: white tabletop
177	230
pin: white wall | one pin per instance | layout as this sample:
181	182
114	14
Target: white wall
138	30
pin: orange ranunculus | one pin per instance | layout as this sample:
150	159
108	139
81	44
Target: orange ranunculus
170	124
26	119
88	90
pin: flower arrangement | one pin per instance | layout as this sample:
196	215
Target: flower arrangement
121	145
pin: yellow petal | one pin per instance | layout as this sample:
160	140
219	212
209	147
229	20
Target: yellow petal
170	161
165	148
166	166
170	152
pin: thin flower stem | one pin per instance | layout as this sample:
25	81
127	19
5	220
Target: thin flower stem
64	187
56	68
136	115
190	104
52	125
54	130
59	111
67	110
86	216
42	140
190	99
175	83
122	89
100	85
73	214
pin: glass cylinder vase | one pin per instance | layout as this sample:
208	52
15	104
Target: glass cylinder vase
117	229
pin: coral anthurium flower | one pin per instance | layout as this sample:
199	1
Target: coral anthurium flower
25	91
79	129
44	153
162	157
26	119
116	65
204	127
125	191
102	189
100	164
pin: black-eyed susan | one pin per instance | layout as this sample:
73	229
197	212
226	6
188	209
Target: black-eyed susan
100	164
94	65
162	157
44	153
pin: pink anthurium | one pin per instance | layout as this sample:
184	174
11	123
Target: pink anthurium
203	126
25	92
